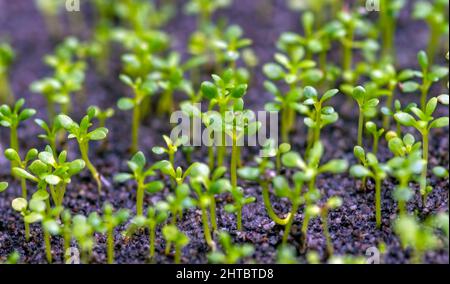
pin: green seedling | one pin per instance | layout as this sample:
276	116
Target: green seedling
177	202
103	115
389	13
207	185
15	158
83	229
52	171
420	237
286	254
226	92
205	9
424	123
331	204
66	233
371	168
292	69
232	253
12	117
81	133
110	220
239	201
405	169
376	133
51	132
397	108
309	171
154	218
402	147
429	75
367	108
50	10
387	79
173	235
320	115
176	174
433	13
140	175
141	89
7	56
13	258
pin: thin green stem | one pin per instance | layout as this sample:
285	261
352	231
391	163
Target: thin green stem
110	245
290	220
135	128
326	232
212	213
140	199
423	179
177	254
378	201
48	246
269	208
233	169
239	218
84	149
152	236
206	230
360	128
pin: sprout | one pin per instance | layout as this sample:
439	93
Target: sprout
424	124
6	58
286	254
170	150
371	127
240	200
141	89
154	218
140	175
331	204
402	147
205	9
232	253
367	108
83	229
82	134
389	13
51	132
103	114
207	185
110	221
397	108
11	118
173	235
373	169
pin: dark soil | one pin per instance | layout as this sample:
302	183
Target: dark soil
352	226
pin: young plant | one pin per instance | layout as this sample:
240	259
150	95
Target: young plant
141	89
331	204
231	253
433	13
154	218
173	235
12	117
424	123
110	221
15	158
309	171
397	108
429	75
239	201
376	133
402	147
320	115
371	168
389	13
83	136
367	108
103	115
140	174
168	169
52	132
6	58
207	185
83	229
177	202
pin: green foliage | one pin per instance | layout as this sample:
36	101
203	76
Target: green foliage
231	253
367	108
180	240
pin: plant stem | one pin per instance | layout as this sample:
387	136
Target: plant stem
324	216
6	95
318	123
378	201
233	169
269	208
212	213
140	199
375	144
387	118
84	149
284	126
423	178
206	230
348	46
290	220
360	128
239	218
177	254
14	144
152	236
110	245
433	43
135	128
48	248
27	231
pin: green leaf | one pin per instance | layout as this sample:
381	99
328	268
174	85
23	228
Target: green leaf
26	114
3	186
154	187
359	153
38	168
52	179
209	90
19	204
158	150
12	155
329	94
239	91
273	71
293	160
76	166
122	177
440	172
47	158
41	194
220	186
359	94
310	93
335	166
409	87
439	123
249	173
21	173
65	121
98	134
359	171
405	119
125	104
33	217
139	159
423	60
37	205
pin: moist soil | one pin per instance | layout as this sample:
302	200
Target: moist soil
352	227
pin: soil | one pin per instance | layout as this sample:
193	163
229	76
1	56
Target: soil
352	226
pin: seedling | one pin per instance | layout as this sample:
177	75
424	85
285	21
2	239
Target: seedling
429	74
12	117
437	20
239	201
207	185
320	115
81	133
177	202
154	218
376	133
309	171
15	158
168	169
173	235
141	89
51	132
110	221
397	108
286	254
371	168
389	13
103	115
140	174
232	254
6	59
205	9
367	108
331	204
424	123
402	147
83	229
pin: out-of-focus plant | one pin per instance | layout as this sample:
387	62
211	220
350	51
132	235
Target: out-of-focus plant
180	240
231	253
7	56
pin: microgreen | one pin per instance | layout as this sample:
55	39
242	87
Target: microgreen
331	204
376	133
12	117
52	132
424	123
389	13
231	253
140	174
205	9
371	168
83	229
81	133
207	185
397	108
239	201
141	89
367	108
6	59
180	240
286	254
